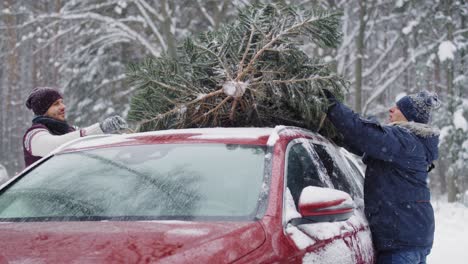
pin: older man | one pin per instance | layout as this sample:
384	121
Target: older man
398	157
49	127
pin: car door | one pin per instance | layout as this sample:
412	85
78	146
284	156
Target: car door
310	163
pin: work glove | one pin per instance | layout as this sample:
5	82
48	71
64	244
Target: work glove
331	98
329	95
113	124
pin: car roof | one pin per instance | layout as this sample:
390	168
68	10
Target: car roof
244	135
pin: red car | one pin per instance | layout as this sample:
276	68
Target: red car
212	195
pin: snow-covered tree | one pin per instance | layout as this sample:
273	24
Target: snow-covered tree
454	149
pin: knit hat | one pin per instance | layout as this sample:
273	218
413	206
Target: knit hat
418	107
41	98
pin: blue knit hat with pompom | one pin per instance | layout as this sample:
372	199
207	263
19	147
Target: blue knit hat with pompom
418	107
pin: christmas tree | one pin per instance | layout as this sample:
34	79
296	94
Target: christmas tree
248	73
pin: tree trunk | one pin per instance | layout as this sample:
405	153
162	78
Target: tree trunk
449	70
220	14
437	80
360	54
13	96
441	173
56	49
166	27
463	17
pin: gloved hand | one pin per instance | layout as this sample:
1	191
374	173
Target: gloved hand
113	124
329	95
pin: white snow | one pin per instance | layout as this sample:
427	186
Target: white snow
216	132
122	4
235	89
91	141
274	136
406	30
444	132
199	133
118	10
451	233
451	236
301	240
290	207
460	79
446	50
314	195
459	120
191	232
336	252
182	109
399	3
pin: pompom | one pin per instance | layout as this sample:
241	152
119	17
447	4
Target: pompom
430	99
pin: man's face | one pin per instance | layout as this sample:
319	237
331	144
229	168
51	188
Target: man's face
56	110
396	115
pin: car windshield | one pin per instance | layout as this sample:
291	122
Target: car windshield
165	181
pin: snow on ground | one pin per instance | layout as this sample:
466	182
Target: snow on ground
451	235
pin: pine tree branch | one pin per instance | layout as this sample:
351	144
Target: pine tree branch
170	87
233	109
176	109
273	41
296	80
322	120
247	47
212	110
219	59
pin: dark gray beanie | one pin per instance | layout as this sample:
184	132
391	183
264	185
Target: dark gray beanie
41	98
418	107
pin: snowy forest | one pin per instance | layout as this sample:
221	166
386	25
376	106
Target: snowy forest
388	48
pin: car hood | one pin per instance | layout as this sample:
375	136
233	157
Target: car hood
128	242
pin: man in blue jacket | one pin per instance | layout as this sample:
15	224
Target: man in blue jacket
398	158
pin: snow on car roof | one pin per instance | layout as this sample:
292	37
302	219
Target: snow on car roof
244	133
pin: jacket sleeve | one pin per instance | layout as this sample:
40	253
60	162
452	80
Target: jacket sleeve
366	136
351	148
42	142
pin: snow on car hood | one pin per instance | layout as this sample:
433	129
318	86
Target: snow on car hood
128	242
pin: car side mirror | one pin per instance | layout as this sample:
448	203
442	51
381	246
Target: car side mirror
318	204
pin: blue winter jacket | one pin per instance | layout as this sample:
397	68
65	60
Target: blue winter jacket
396	195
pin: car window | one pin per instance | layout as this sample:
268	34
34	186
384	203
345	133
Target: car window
354	167
304	169
339	171
164	181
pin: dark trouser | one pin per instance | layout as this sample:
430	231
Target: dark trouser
411	256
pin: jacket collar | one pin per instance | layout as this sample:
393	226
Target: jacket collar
419	129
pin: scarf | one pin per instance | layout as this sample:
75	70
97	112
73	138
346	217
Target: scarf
56	127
